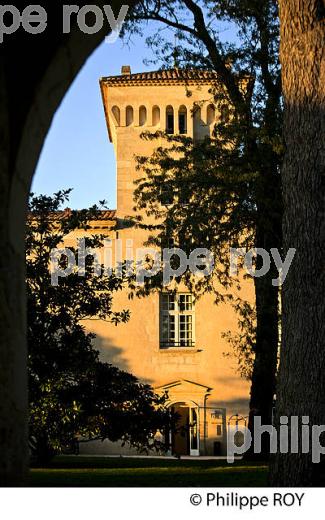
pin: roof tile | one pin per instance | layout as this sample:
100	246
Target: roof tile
169	75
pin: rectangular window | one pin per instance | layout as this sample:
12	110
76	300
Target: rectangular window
177	320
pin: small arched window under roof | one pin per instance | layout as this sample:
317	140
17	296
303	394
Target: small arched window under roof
182	119
211	114
155	115
129	115
117	114
169	119
142	115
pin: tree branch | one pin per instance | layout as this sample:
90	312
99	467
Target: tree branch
162	19
228	78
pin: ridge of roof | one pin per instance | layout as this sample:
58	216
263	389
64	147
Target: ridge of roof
165	75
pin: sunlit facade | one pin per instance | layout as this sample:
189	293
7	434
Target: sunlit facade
171	341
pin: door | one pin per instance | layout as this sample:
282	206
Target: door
180	435
185	437
194	432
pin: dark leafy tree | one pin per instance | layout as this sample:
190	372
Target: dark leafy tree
73	394
231	183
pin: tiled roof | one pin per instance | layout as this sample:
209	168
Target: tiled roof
171	76
106	214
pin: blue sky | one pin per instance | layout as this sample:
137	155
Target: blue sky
77	153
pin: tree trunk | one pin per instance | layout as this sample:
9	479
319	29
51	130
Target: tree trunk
301	386
268	235
264	370
266	350
42	452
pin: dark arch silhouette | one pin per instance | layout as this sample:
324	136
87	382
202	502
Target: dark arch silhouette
35	73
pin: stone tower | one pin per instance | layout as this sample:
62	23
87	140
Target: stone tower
176	101
171	341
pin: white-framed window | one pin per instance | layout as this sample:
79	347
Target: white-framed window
177	320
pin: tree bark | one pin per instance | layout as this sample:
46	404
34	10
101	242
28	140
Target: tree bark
301	385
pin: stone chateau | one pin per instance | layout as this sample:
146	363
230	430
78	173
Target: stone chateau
172	342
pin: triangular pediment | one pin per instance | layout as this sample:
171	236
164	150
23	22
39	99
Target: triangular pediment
185	383
185	391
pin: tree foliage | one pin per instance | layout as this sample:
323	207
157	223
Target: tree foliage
243	341
72	393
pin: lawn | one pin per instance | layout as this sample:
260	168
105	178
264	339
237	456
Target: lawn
132	472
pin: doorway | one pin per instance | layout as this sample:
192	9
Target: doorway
185	435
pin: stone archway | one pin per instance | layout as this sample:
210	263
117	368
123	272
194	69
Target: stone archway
32	86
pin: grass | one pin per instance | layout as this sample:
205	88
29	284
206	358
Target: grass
82	471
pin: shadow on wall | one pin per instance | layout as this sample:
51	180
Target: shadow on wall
110	353
231	380
234	406
115	355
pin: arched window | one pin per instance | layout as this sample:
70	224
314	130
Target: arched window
182	119
155	115
142	115
197	121
211	114
169	119
224	114
117	114
129	115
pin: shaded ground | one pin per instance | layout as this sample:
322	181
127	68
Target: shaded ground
132	472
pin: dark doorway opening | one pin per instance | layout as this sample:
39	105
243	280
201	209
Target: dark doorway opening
181	433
